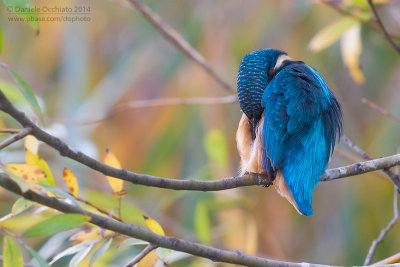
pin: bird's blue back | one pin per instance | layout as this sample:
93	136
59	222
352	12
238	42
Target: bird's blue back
302	122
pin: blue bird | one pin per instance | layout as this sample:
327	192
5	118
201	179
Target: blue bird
289	126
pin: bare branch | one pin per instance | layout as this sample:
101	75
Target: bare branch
165	102
395	178
149	248
135	231
24	132
385	32
380	109
198	185
177	40
385	230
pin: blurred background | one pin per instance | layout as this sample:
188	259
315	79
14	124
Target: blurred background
81	71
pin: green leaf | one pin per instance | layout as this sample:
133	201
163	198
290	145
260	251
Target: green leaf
27	92
56	224
100	251
133	242
11	254
202	223
61	193
216	147
21	205
80	256
23	8
38	258
330	34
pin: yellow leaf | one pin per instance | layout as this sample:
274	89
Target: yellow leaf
153	225
33	159
71	182
27	172
351	48
330	34
120	194
111	160
90	234
32	144
149	260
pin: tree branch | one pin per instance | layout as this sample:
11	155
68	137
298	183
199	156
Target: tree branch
385	32
392	222
135	104
196	249
178	41
198	185
24	132
380	109
395	178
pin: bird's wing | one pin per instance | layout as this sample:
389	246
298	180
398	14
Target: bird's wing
296	136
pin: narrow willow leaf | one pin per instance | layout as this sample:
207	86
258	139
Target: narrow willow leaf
73	250
21	205
89	234
61	193
71	182
33	159
31	17
202	223
56	224
133	242
100	251
32	144
111	160
330	34
27	92
154	226
11	254
216	147
351	48
80	256
38	258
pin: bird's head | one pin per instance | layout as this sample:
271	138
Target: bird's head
255	72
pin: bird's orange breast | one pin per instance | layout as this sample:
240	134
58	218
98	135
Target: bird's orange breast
250	152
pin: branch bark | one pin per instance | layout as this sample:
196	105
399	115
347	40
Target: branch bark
190	184
24	132
178	41
192	248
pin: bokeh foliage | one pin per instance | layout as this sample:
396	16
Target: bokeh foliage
80	71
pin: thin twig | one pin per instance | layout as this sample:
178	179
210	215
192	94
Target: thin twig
149	248
380	109
24	132
395	178
97	208
214	254
164	102
385	230
10	131
178	41
385	32
356	17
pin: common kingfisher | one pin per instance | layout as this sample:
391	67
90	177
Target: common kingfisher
289	126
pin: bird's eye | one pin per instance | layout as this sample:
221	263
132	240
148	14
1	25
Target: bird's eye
271	73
